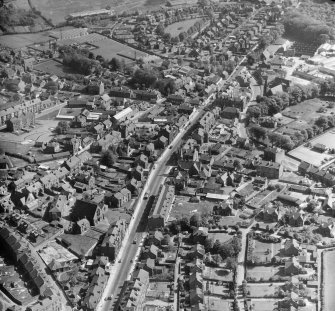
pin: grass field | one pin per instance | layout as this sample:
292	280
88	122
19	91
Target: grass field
176	28
57	11
329	281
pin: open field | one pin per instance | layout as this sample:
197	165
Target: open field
316	158
53	67
182	207
176	28
59	10
262	290
328	280
264	272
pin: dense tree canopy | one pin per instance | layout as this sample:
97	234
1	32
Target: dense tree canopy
306	28
108	158
62	127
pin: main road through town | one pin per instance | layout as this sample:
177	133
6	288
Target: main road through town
124	262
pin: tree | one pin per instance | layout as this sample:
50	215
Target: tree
208	244
258	132
226	250
182	36
203	3
254	111
231	263
322	122
311	206
295	93
160	29
237	164
236	244
167	37
216	247
175	40
108	158
195	220
116	64
185	224
251	58
144	76
62	127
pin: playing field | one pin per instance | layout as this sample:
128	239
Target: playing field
176	28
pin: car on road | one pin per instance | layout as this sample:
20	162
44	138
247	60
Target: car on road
170	147
146	196
135	241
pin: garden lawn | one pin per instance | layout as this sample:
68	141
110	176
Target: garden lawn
263	272
266	251
262	290
264	305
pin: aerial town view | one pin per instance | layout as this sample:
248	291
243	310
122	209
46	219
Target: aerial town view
167	155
